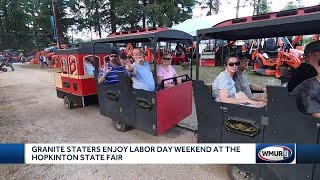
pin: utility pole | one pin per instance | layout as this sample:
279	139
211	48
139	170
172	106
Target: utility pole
237	8
57	22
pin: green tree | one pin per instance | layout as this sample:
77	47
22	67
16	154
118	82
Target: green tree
262	7
13	25
293	5
25	24
259	6
212	5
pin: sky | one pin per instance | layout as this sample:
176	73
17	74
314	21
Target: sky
227	6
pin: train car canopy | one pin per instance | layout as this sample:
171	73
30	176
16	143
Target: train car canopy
303	21
146	35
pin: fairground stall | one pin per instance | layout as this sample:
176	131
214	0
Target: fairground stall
280	121
151	112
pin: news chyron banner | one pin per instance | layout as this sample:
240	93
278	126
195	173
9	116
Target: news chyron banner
159	153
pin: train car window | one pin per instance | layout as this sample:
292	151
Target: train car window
89	64
64	67
73	65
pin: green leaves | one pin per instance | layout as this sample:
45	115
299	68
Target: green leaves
25	24
293	5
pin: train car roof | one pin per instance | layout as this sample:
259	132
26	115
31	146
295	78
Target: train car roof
85	48
145	35
303	21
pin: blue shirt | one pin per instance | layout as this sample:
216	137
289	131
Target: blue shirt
89	68
223	81
143	79
112	77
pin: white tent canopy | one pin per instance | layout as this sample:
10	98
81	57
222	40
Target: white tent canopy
192	25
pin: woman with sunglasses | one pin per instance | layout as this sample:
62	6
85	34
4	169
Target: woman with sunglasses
223	87
165	71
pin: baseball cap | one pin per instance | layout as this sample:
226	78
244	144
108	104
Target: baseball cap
312	47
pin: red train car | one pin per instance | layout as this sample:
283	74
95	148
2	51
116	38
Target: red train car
75	84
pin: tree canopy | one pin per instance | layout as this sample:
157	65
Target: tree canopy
293	5
25	24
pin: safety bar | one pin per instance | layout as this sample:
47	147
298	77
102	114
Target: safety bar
175	80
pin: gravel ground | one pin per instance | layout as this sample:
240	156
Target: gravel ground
30	112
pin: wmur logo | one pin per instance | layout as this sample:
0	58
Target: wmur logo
275	153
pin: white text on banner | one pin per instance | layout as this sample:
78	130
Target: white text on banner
140	153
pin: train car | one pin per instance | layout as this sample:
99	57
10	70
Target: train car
73	83
280	121
153	112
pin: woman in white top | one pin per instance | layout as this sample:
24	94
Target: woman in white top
223	87
165	71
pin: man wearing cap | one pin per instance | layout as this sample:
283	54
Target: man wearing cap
307	69
109	72
308	92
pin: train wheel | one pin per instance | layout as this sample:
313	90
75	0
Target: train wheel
238	174
257	64
67	103
119	126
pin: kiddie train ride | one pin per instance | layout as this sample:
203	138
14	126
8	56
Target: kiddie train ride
73	84
151	112
280	121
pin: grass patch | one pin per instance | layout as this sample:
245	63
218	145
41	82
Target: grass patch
208	74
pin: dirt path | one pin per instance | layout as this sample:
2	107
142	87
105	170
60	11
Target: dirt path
30	112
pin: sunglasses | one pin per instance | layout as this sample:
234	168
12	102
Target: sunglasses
234	63
166	58
113	55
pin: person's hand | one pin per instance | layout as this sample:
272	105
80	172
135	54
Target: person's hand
179	80
169	85
264	89
127	63
257	103
107	70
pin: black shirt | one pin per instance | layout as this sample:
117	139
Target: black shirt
303	72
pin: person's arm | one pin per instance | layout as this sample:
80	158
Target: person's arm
103	75
257	88
101	78
224	97
179	81
165	83
317	115
130	67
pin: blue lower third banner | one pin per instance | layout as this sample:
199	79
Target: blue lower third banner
308	153
11	153
160	153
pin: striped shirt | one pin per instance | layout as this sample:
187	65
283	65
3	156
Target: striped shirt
112	77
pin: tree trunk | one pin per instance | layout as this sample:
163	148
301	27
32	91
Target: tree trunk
237	9
258	7
98	18
210	7
217	6
57	21
144	14
113	21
